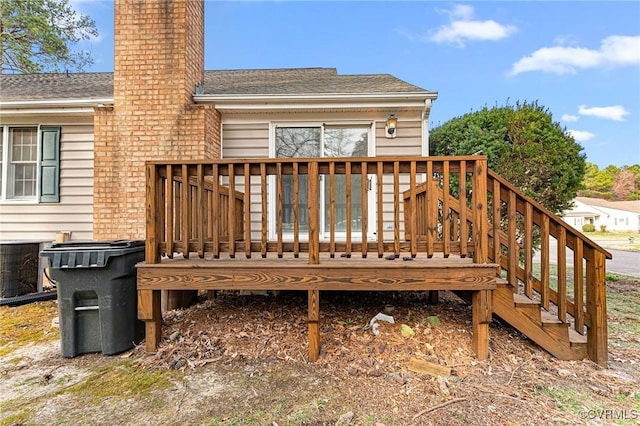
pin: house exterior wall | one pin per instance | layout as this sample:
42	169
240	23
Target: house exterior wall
607	218
41	221
159	61
619	220
248	136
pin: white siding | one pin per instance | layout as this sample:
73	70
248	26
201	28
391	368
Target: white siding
74	212
248	140
406	143
245	136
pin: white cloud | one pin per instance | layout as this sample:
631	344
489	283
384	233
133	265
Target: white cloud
615	112
569	118
580	135
463	28
614	51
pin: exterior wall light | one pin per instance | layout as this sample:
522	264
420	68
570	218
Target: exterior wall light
390	128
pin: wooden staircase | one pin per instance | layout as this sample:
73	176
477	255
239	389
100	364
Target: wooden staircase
545	329
561	306
564	312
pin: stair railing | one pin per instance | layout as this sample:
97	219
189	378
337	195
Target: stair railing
517	225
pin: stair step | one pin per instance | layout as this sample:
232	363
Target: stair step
578	344
576	338
522	301
550	320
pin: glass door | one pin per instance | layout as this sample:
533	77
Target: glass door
316	142
344	142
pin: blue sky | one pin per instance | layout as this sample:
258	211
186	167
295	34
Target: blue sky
581	60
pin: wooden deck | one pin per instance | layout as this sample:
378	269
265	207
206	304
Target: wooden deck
338	273
317	224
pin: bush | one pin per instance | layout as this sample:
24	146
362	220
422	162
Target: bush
603	228
588	227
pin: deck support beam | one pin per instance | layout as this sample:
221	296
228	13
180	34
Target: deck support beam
149	311
481	317
314	325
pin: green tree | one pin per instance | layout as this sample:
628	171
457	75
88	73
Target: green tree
599	183
38	36
524	145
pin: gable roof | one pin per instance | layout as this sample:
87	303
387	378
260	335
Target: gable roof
302	81
297	81
629	206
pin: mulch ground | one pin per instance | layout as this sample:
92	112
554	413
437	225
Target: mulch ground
370	376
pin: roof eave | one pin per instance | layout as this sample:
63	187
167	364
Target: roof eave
239	102
55	103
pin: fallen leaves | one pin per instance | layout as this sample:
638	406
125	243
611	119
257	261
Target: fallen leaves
422	359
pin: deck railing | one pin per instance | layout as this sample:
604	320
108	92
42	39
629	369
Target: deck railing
399	206
339	206
570	282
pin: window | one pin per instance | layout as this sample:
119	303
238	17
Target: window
29	163
322	141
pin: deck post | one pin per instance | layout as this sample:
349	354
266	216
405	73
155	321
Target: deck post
480	212
597	309
149	300
149	312
314	325
481	317
154	206
314	259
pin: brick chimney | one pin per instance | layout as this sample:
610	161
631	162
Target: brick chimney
159	60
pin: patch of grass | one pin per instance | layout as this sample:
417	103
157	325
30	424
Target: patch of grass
301	414
433	320
240	419
16	419
567	399
623	310
304	413
13	361
122	380
617	240
27	324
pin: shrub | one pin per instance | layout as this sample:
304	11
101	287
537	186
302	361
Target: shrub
588	227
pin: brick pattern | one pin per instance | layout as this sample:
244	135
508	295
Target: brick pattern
159	60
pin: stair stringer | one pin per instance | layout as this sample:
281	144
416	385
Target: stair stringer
527	317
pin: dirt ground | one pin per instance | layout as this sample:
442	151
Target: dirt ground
242	360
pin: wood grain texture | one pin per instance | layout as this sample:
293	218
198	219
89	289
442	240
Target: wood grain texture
314	325
294	274
597	309
149	312
481	317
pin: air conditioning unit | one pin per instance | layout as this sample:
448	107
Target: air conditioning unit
19	267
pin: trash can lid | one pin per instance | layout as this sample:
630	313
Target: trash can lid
97	245
89	254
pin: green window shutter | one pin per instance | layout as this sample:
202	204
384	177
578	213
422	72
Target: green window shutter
50	165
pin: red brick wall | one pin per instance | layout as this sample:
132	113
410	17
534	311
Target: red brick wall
159	60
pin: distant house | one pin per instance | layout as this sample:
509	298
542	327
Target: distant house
623	216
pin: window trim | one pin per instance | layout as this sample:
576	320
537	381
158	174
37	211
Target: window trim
371	152
5	165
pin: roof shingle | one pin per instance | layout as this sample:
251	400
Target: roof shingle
294	81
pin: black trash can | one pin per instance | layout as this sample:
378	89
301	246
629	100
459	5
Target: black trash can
97	295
